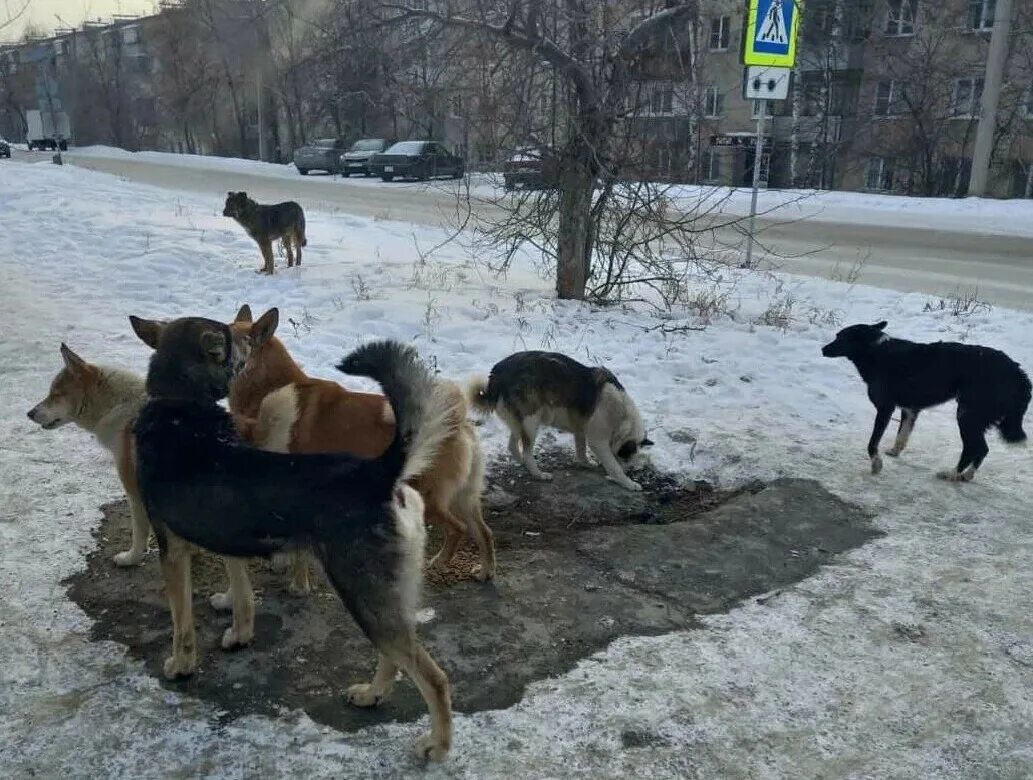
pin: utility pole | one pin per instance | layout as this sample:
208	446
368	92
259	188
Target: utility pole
994	76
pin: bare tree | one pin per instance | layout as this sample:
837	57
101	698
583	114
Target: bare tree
597	70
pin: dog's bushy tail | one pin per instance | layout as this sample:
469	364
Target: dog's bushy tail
425	415
477	395
301	228
1010	425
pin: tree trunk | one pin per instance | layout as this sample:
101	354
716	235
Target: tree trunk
794	133
1028	192
574	247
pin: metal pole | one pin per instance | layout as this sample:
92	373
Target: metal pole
995	61
758	151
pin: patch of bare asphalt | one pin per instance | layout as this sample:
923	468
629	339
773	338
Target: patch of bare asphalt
581	563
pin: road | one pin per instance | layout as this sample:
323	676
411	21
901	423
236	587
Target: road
997	269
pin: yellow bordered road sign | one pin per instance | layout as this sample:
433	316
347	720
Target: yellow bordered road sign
771	27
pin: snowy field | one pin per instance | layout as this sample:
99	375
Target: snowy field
978	215
911	657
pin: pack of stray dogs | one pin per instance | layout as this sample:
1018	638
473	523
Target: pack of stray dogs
303	470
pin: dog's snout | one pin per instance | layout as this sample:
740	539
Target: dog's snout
31	414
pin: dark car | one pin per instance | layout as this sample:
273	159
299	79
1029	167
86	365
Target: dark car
5	148
532	168
323	155
356	159
416	160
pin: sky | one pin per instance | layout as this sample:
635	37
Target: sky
49	14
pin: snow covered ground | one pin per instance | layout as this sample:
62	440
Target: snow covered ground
979	215
911	657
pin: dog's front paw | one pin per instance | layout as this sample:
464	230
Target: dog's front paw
482	573
876	464
363	695
232	638
179	666
542	476
893	452
223	602
950	475
128	558
583	463
430	749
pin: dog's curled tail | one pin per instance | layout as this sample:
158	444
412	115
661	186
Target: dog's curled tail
477	395
425	414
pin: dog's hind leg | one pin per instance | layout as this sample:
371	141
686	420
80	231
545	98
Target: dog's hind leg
908	417
528	432
175	570
974	448
883	414
451	527
483	537
415	661
266	248
298	583
243	598
299	242
287	250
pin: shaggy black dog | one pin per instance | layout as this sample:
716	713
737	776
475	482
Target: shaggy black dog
203	485
990	387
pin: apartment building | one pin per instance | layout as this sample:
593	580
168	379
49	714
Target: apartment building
885	97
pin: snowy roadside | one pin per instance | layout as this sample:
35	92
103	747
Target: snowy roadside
971	215
911	657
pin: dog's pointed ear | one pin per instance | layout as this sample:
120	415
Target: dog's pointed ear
646	442
149	331
881	325
244	315
73	362
265	327
213	342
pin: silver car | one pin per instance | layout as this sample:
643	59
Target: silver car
356	159
323	155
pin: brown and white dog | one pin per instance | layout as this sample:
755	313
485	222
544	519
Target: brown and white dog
104	402
295	413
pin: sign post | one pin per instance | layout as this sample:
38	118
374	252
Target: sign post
769	53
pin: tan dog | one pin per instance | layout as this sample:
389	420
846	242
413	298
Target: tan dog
104	402
295	413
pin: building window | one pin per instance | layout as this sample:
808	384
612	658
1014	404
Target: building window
900	19
880	174
663	161
981	14
713	102
968	98
712	165
130	35
720	29
767	106
661	100
889	97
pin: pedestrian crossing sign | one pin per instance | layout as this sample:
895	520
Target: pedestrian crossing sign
770	35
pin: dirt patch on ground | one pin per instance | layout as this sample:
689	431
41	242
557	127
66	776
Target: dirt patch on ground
581	562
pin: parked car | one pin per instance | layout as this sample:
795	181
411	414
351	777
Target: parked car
5	148
323	155
416	160
356	159
531	167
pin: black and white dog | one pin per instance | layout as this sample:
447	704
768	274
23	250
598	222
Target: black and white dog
531	389
992	390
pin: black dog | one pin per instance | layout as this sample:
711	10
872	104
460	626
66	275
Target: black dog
201	483
990	387
265	224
